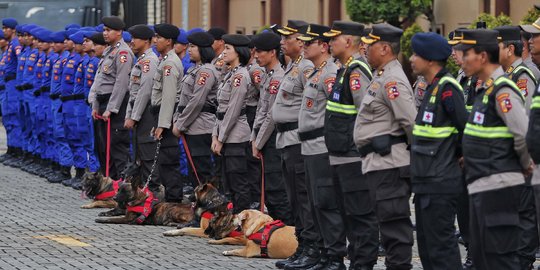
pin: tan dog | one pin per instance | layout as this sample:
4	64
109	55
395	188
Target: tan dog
216	219
100	189
281	242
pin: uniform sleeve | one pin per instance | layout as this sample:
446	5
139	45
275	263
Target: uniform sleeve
170	81
124	63
358	83
267	122
240	84
398	96
92	100
527	86
454	105
258	115
512	111
145	91
307	69
203	85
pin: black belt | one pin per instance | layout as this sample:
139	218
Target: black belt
54	96
72	97
26	86
154	109
37	93
282	127
368	149
102	98
44	89
221	115
2	87
205	108
10	77
310	135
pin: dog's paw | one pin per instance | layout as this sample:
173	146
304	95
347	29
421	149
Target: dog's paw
227	253
213	242
173	233
86	206
99	220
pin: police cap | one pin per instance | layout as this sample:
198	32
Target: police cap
182	36
217	32
345	28
58	37
293	27
113	22
315	32
533	28
167	31
98	39
383	32
266	41
201	39
509	33
431	46
141	31
9	23
478	37
237	40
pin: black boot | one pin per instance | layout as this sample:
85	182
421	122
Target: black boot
36	165
55	168
46	168
16	158
321	265
281	264
77	180
6	155
310	257
25	156
332	263
361	267
63	174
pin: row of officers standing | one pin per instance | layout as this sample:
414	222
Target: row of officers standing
329	114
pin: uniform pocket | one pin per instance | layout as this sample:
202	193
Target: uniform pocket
338	132
286	92
423	160
393	209
501	231
325	195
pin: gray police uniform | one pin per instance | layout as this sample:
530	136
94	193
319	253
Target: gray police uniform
285	115
264	138
165	95
195	117
138	109
111	87
232	129
383	127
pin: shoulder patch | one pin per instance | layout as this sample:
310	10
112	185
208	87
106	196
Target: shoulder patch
202	78
391	90
220	63
329	82
167	70
308	72
522	85
273	87
237	80
123	56
257	76
146	66
504	102
354	82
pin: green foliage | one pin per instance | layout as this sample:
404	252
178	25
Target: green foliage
391	11
405	42
491	21
452	67
532	15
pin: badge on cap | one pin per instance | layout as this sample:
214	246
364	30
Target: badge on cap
504	102
202	78
428	117
478	118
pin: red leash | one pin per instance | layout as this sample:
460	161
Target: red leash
108	151
188	154
262	182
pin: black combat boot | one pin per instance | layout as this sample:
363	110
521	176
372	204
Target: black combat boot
6	155
321	265
16	157
46	165
55	168
281	264
77	180
332	263
310	256
63	174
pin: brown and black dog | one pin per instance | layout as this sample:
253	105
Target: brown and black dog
281	242
216	218
144	208
100	189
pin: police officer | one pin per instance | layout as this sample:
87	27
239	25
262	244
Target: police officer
510	51
111	86
419	88
196	113
10	111
231	131
526	55
498	118
138	114
383	128
263	136
165	95
181	49
3	48
436	175
285	115
219	46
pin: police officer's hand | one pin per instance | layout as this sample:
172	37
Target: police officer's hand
176	132
255	151
461	162
94	114
216	146
129	123
106	115
527	172
157	133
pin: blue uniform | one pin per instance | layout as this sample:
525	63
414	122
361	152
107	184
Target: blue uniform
88	137
3	92
11	110
28	99
62	150
40	115
79	117
48	121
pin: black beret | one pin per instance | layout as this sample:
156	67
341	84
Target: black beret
266	41
141	31
98	39
509	33
314	32
478	37
201	39
167	31
293	27
237	40
251	46
217	32
113	22
346	28
383	32
431	46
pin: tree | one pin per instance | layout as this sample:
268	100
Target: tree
491	21
532	15
406	46
395	12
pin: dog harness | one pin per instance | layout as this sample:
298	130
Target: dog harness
262	237
209	215
145	209
109	194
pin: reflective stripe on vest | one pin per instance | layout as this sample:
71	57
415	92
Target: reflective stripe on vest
487	132
340	108
365	68
535	103
526	69
468	108
430	131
